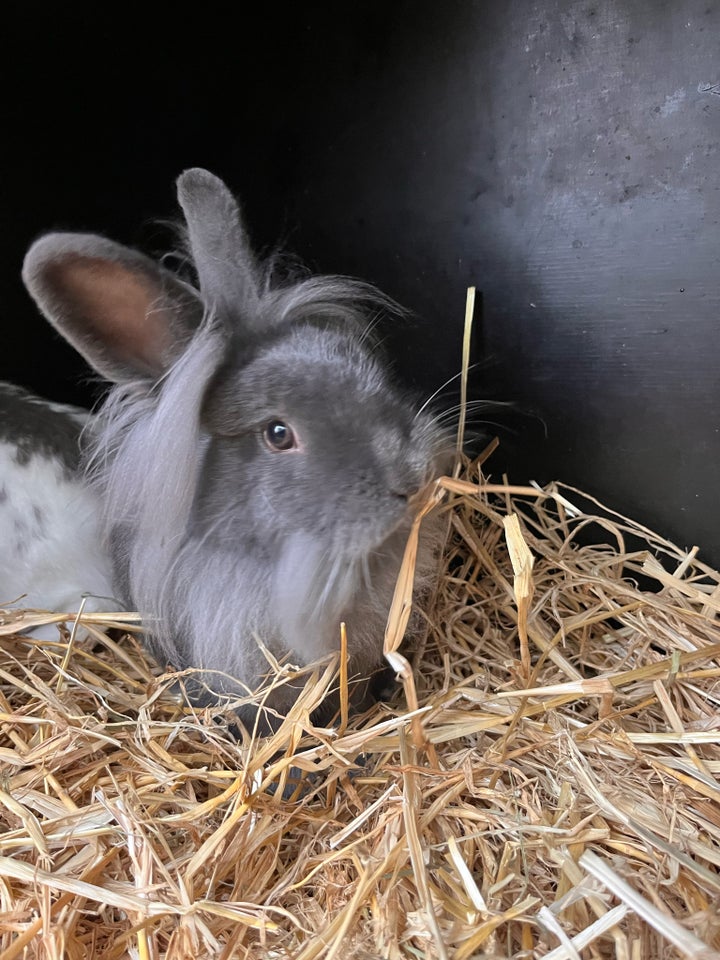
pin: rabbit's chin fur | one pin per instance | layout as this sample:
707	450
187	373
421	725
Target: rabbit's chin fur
216	629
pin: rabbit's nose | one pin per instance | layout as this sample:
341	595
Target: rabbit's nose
407	487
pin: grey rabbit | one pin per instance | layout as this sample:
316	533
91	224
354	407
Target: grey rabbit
254	465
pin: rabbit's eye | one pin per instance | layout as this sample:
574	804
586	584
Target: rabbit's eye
279	436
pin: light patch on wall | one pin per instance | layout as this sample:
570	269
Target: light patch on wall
672	103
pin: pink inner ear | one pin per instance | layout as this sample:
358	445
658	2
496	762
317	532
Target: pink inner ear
115	308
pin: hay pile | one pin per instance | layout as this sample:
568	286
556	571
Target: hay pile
554	793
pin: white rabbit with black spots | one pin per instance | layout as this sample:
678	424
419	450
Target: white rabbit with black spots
51	552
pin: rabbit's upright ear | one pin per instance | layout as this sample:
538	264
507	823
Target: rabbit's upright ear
226	268
123	312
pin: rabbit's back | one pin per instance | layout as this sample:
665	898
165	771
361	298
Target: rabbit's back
49	519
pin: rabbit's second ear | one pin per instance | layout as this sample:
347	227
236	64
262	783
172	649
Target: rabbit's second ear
124	313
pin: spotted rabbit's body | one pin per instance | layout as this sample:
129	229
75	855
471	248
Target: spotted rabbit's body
50	521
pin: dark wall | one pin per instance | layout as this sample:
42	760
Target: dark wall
562	156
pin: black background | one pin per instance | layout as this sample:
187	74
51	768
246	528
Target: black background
562	156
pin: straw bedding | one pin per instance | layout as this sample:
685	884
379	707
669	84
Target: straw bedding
545	785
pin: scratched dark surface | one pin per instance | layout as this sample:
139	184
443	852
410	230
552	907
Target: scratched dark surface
562	156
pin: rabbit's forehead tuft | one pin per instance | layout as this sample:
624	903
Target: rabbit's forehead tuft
311	364
327	385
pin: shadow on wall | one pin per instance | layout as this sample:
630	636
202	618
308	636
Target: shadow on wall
563	157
